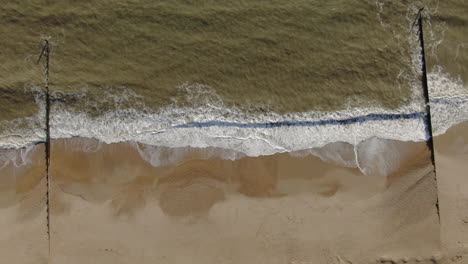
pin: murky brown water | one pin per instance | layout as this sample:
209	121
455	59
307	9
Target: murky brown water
284	56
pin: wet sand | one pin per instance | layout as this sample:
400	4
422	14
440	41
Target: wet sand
108	205
452	182
23	218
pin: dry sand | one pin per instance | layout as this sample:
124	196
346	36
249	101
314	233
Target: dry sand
452	182
111	206
23	218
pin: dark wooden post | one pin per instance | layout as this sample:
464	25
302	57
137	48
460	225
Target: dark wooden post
46	53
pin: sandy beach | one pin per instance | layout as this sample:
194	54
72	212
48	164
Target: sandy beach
452	183
111	206
375	203
23	218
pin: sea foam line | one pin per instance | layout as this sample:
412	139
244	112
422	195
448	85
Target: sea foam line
257	138
80	125
352	120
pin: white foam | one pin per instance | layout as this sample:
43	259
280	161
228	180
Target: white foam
159	156
17	157
449	100
446	114
158	128
22	132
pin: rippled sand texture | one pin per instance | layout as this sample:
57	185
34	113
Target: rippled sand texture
452	179
111	206
23	218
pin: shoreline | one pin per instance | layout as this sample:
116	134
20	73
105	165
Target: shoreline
216	125
250	208
138	195
267	132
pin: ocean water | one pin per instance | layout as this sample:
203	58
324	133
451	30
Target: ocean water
254	77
